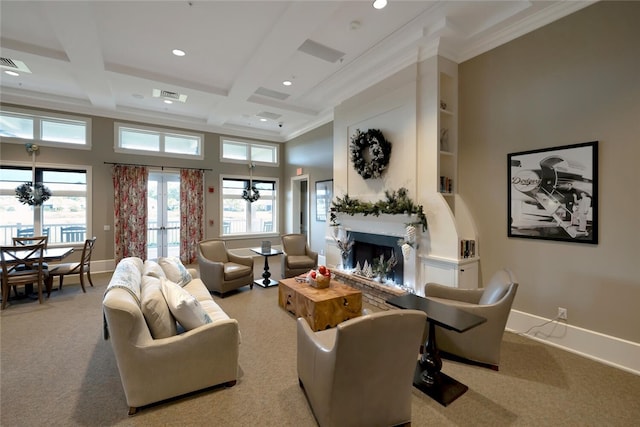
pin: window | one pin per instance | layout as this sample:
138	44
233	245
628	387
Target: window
51	129
145	140
64	217
248	152
241	217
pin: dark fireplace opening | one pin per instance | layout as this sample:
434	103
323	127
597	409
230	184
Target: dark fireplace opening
368	247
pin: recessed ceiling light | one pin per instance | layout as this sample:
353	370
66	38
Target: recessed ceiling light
263	120
168	101
287	82
11	73
178	52
379	4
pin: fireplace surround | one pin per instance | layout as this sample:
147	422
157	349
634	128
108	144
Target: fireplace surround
380	234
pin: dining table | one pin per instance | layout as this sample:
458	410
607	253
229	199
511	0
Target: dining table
49	255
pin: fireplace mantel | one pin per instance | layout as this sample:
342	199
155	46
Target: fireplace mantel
383	224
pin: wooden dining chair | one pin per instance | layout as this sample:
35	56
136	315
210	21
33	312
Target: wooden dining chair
30	240
29	256
82	267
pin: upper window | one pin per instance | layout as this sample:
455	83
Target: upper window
239	216
51	129
160	142
64	217
248	152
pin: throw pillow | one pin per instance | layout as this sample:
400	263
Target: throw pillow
156	312
174	270
184	306
152	268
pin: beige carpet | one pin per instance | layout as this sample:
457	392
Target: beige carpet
56	370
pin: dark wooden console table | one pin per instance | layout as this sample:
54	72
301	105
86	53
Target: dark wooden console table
428	377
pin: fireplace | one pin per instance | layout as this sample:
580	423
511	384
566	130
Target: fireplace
375	235
369	247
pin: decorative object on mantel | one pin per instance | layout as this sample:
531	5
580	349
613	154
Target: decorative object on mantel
379	153
28	193
251	193
383	268
409	239
358	269
396	203
344	242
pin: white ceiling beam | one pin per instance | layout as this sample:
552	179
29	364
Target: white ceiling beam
75	29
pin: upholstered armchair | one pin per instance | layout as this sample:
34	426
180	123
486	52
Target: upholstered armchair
298	257
493	302
360	373
223	271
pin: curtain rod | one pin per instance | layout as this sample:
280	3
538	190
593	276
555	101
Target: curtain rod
154	166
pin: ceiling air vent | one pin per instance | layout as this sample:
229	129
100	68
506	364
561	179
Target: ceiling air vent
271	93
6	62
167	94
14	64
269	115
320	51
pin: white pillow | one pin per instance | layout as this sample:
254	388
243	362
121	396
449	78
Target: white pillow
155	310
175	271
184	306
152	268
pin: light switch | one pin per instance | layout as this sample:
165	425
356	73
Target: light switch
107	227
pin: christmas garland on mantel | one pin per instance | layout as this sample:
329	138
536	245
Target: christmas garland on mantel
395	203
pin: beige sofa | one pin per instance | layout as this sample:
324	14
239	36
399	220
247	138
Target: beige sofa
157	357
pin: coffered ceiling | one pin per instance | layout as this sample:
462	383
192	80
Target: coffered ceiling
114	58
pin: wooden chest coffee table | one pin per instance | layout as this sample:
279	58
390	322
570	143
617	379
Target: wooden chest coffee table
323	308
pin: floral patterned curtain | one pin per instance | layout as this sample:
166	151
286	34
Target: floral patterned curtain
130	211
191	213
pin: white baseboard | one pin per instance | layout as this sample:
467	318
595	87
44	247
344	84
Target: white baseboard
103	265
603	348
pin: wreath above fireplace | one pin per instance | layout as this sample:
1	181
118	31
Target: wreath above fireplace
379	151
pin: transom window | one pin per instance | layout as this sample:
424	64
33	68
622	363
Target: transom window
240	216
64	217
235	151
160	142
49	129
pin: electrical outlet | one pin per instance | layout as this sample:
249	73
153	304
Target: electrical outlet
562	313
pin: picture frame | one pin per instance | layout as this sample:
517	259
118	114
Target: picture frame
324	194
553	193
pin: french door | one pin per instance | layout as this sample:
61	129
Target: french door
163	218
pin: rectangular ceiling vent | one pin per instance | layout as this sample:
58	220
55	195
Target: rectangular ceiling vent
6	62
269	115
167	94
14	64
271	93
170	95
321	51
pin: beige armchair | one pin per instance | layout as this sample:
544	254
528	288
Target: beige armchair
298	257
480	344
223	271
360	373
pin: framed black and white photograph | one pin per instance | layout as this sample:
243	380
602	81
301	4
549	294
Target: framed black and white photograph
553	193
324	193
